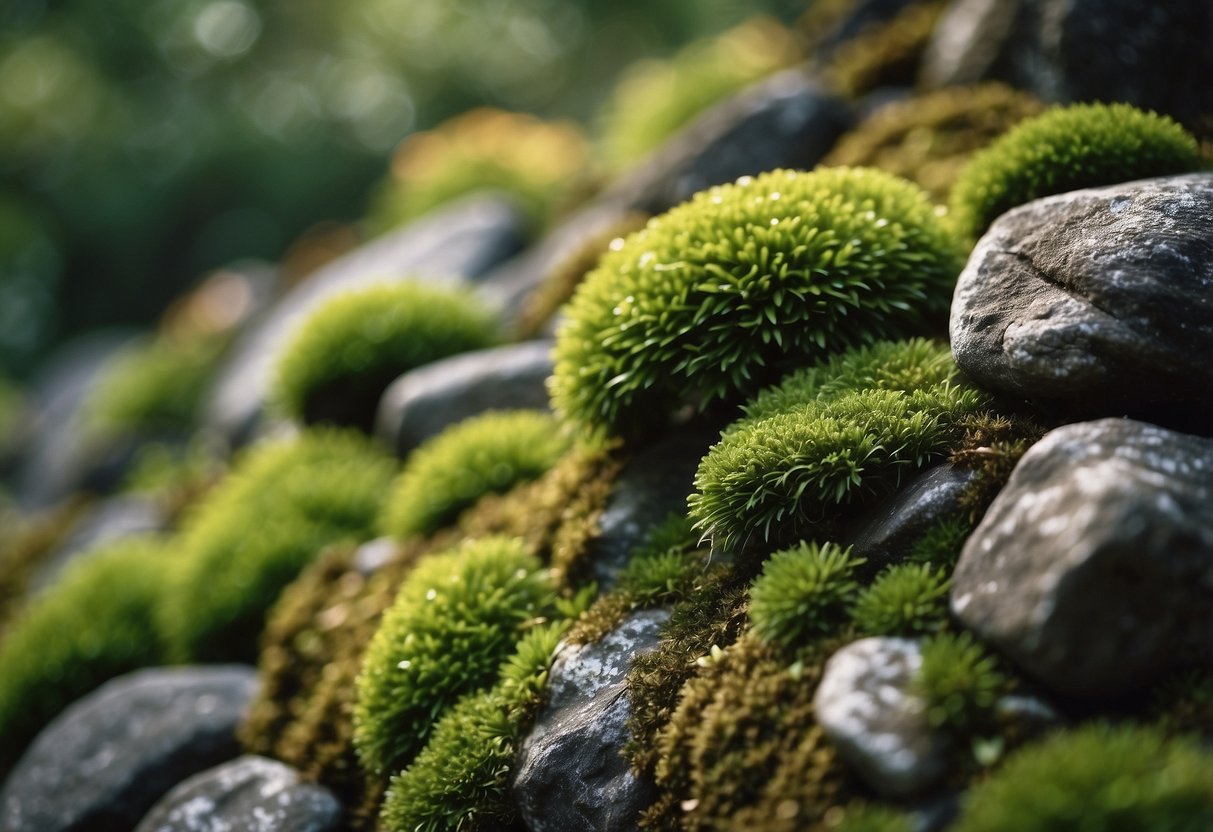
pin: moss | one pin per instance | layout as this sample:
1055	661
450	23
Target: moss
866	817
346	352
96	623
541	164
174	476
489	453
460	780
803	592
1065	149
726	292
472	602
908	599
655	98
959	681
991	448
1097	778
928	138
885	55
27	543
564	278
253	534
942	543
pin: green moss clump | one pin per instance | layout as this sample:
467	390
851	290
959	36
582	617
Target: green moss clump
1065	149
942	544
485	454
96	623
959	681
803	592
905	600
728	291
930	137
863	817
460	780
456	617
1097	778
253	533
345	353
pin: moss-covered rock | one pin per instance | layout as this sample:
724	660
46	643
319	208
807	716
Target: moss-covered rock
346	352
487	454
1065	149
728	291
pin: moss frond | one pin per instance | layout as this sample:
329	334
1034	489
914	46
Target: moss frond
803	592
1065	149
905	600
729	290
959	681
346	352
1097	778
941	545
253	533
456	617
486	454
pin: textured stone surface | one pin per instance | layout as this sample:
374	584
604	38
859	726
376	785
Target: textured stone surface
424	402
866	707
1093	569
249	794
887	533
454	245
1100	301
570	773
105	760
1154	55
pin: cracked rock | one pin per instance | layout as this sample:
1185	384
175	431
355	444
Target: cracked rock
1097	302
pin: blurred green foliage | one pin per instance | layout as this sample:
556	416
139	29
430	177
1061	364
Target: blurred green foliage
145	141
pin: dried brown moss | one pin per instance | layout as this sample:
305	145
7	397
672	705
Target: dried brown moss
27	547
992	446
929	137
886	54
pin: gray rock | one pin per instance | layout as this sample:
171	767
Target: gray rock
886	534
570	772
866	707
1093	569
1098	301
102	763
1153	55
109	520
785	121
452	246
424	402
249	794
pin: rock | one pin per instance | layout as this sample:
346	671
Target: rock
785	121
1153	55
423	402
570	772
864	704
1093	569
1099	301
654	484
116	517
102	763
452	246
249	794
887	533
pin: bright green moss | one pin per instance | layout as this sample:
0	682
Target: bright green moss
349	350
666	567
460	780
785	475
728	291
1065	149
803	592
456	618
96	623
254	532
1097	778
654	98
905	600
486	454
959	681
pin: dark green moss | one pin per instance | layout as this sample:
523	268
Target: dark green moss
907	599
803	592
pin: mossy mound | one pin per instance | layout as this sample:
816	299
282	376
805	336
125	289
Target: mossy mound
1097	778
345	353
930	137
959	681
907	599
473	603
803	592
541	164
728	291
252	534
96	623
1066	149
887	54
654	98
486	454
